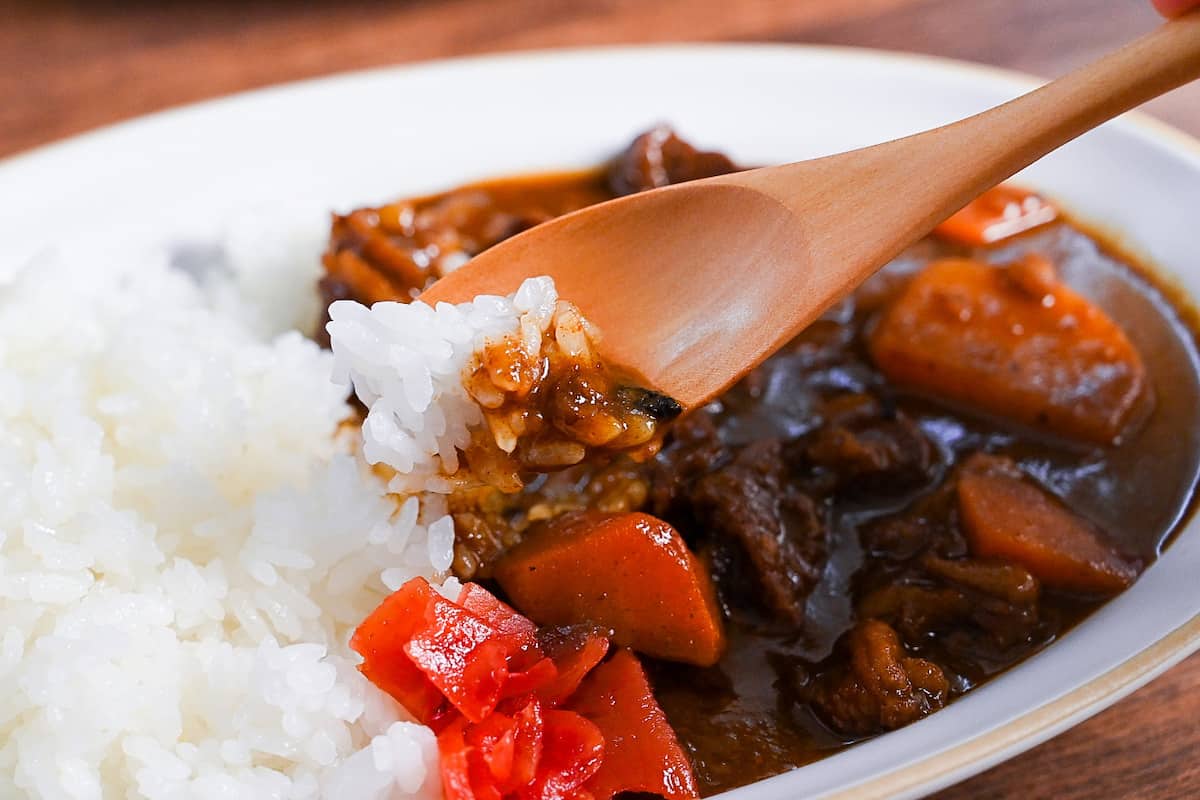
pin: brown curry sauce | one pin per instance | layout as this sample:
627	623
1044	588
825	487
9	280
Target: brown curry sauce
819	493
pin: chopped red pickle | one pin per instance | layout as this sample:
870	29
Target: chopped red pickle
504	733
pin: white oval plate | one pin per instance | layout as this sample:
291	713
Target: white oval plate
293	152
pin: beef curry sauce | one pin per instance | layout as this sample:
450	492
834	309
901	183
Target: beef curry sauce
857	527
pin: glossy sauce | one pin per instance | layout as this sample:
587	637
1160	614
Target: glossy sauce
1139	492
751	715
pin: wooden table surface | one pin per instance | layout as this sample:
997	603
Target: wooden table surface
66	67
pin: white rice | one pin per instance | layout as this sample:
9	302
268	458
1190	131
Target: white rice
185	549
406	363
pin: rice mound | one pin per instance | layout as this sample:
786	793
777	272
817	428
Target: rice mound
185	548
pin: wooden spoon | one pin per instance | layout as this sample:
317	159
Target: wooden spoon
695	284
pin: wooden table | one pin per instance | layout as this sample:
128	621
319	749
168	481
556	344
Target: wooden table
66	67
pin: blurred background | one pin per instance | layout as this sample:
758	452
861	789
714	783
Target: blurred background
70	65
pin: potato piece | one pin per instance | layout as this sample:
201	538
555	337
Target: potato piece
1014	342
630	573
1008	518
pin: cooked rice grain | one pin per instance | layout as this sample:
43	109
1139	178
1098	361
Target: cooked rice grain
407	363
184	551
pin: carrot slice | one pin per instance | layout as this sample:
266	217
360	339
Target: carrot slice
641	753
1014	342
1008	518
997	214
631	573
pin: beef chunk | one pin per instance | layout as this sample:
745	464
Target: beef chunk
898	538
1003	598
1010	583
916	610
395	251
751	505
881	688
930	524
993	604
869	453
694	449
659	158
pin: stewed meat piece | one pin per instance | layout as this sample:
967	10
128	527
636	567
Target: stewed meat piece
659	158
883	687
753	505
873	454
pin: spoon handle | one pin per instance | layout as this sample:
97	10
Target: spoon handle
1010	137
909	185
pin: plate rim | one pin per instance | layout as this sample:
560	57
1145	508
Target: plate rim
1036	726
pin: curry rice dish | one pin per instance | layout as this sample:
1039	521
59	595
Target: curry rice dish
502	567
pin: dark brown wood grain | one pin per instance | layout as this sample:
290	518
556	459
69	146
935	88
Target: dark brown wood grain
66	67
1143	747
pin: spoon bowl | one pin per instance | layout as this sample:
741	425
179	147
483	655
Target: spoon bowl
630	272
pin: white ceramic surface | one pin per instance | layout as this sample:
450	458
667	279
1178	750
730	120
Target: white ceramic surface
294	152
